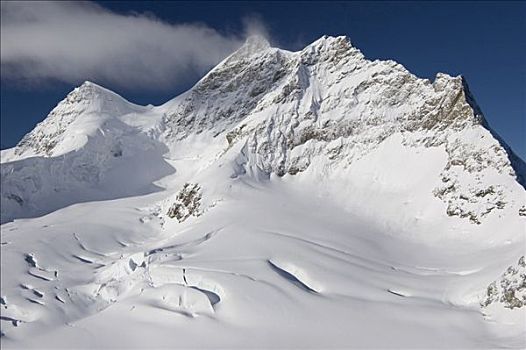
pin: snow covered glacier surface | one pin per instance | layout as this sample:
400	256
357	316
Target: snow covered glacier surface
289	199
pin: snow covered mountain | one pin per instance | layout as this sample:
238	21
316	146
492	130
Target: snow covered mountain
289	199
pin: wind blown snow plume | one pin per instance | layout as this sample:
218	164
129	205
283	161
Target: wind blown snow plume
76	41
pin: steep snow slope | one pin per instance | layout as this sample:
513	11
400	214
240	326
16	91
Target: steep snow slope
310	198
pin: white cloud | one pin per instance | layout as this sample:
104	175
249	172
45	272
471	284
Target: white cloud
76	41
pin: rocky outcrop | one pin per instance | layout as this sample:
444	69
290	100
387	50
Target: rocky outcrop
510	289
187	203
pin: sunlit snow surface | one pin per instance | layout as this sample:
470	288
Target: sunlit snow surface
271	265
355	249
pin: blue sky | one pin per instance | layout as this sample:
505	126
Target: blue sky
171	45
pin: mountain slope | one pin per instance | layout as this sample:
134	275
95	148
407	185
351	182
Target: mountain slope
80	152
315	196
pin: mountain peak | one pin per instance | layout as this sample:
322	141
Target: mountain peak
86	107
88	83
91	90
254	44
98	99
328	41
331	48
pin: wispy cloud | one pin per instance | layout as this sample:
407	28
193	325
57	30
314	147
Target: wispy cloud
76	41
